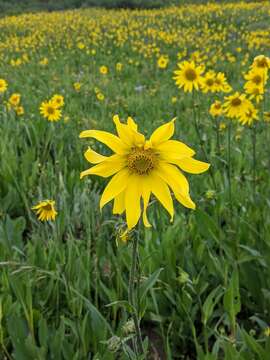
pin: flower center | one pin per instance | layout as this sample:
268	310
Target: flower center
210	82
190	74
257	79
50	110
47	207
217	106
141	161
262	63
236	102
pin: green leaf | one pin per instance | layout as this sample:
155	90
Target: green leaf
210	302
149	283
232	302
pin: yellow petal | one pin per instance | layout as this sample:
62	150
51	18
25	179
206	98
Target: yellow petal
131	123
161	191
93	157
162	133
192	166
106	168
173	149
119	203
125	133
115	186
132	201
112	141
177	182
146	192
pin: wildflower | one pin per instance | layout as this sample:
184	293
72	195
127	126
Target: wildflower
256	77
266	116
162	62
142	167
221	83
129	327
3	85
45	210
119	67
50	111
58	100
77	86
100	96
189	76
222	126
19	110
44	61
208	82
255	92
216	109
235	105
14	99
261	62
210	194
103	70
248	117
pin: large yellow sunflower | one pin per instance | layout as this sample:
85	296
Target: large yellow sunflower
189	76
142	167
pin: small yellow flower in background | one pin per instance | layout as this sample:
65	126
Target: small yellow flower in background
45	210
19	110
58	100
267	331
119	67
3	86
216	109
222	126
256	77
254	92
189	76
103	70
15	99
77	86
221	83
100	96
44	61
174	99
80	45
266	116
261	62
66	119
249	116
142	167
210	194
163	61
235	105
208	82
50	111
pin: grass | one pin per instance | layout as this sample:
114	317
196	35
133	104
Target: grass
204	279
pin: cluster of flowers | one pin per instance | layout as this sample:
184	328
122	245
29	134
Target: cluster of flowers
14	101
51	109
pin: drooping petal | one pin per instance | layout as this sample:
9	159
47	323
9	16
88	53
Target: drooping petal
162	133
106	168
161	191
114	187
173	149
146	192
177	182
93	157
192	166
112	141
132	200
119	203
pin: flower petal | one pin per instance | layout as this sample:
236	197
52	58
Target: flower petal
132	200
93	157
173	149
112	141
161	191
106	168
146	192
115	186
192	166
162	133
119	203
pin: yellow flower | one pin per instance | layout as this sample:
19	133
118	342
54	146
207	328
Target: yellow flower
3	85
250	115
58	100
142	167
189	76
119	67
45	210
100	96
103	70
19	110
261	62
44	61
256	77
14	99
208	82
77	86
222	126
162	62
50	111
254	92
235	105
216	109
221	83
266	116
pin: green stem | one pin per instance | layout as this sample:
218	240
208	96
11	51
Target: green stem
254	159
131	294
229	166
218	137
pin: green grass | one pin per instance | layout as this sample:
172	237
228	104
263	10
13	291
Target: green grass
207	273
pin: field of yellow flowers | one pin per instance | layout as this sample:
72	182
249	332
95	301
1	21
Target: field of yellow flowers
160	247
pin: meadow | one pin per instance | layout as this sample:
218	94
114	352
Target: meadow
73	285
